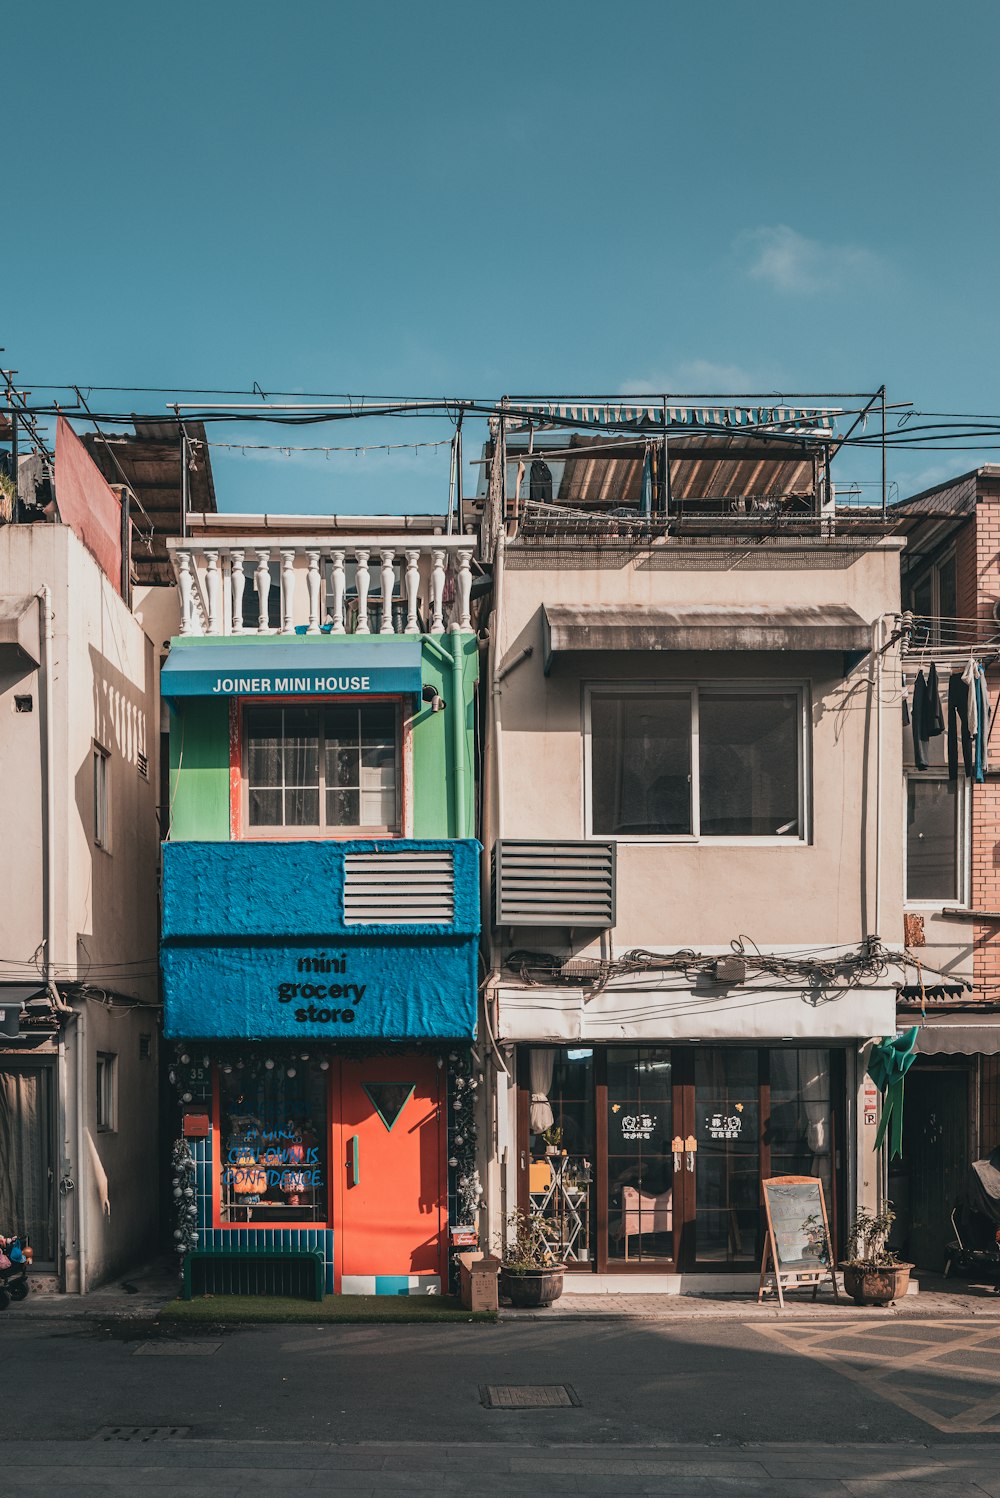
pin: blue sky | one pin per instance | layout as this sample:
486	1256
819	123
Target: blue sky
465	199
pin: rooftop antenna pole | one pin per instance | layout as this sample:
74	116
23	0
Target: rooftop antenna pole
184	474
884	488
450	526
458	469
666	464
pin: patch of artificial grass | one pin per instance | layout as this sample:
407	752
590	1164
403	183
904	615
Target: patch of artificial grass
340	1308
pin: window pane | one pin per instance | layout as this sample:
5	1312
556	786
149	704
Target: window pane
641	764
640	1158
728	1170
342	808
301	808
561	1175
301	746
800	1127
274	1150
948	588
264	746
264	808
931	839
749	759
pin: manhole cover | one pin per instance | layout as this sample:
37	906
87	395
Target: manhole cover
528	1396
142	1432
168	1349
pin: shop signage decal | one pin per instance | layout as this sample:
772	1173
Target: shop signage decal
316	1011
639	1125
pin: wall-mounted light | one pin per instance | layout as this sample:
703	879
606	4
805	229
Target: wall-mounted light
433	696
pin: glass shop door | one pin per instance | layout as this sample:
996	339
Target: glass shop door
723	1098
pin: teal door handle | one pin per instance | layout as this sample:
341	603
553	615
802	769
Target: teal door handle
353	1162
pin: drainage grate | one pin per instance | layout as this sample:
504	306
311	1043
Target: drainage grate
168	1349
142	1432
528	1396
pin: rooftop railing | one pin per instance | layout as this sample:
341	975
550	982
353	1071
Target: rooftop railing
381	584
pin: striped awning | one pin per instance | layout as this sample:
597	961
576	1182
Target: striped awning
815	420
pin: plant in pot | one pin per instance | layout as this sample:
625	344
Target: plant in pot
873	1275
530	1273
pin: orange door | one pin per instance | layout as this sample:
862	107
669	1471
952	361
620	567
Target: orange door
392	1181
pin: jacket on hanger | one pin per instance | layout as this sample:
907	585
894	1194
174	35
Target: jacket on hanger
928	720
958	714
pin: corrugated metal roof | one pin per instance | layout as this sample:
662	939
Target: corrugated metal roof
150	462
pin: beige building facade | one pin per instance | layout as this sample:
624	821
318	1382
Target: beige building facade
79	737
693	821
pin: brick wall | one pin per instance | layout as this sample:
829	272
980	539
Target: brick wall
979	544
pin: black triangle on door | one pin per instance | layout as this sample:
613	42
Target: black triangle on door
389	1099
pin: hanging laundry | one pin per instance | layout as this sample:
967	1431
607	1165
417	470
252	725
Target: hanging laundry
969	677
928	721
983	720
906	703
958	714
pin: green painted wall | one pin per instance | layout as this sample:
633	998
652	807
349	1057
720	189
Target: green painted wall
199	771
199	752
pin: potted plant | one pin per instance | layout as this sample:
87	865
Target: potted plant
553	1139
873	1275
530	1273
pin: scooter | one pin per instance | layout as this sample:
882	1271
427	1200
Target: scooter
975	1219
13	1272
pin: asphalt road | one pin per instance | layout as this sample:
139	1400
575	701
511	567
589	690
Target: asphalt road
719	1384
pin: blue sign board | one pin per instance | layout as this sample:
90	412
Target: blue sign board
294	665
256	946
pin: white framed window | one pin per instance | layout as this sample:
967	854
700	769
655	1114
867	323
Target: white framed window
102	797
107	1092
696	761
937	839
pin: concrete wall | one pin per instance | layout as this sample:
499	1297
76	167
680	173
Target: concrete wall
104	691
815	892
105	916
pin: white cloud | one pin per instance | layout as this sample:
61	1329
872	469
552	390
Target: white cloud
697	377
790	262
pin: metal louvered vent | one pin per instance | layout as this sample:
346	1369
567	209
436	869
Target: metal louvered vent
412	887
554	884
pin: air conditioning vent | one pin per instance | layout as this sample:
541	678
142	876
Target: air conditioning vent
415	887
554	884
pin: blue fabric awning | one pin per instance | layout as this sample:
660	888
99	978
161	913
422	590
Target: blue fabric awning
292	666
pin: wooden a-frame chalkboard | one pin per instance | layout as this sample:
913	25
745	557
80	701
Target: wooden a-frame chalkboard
798	1253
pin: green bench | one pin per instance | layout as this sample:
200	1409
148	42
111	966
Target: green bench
298	1272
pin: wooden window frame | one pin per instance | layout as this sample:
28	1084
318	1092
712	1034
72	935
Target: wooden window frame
239	823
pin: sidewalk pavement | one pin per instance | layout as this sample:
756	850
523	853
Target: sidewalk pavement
142	1295
184	1468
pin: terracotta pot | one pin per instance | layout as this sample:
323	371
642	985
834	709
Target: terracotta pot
876	1287
532	1287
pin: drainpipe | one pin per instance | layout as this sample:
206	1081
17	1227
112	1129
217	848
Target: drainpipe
458	732
48	936
79	1036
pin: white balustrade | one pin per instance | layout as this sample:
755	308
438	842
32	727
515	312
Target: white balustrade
326	586
238	584
288	590
262	579
213	591
185	583
362	579
312	586
337	588
412	591
388	584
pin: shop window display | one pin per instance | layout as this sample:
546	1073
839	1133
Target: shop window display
561	1141
273	1143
